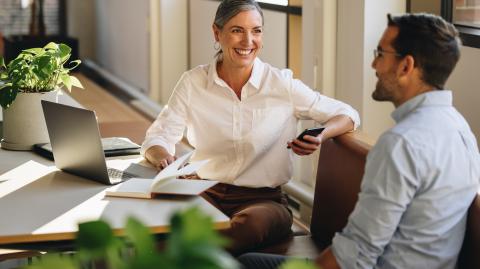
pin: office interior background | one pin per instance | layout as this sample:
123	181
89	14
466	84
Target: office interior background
144	46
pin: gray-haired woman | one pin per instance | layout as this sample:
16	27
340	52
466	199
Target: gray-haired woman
242	113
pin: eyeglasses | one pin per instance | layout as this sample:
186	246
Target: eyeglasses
380	52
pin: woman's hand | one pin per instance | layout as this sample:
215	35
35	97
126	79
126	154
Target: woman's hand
335	126
304	148
159	157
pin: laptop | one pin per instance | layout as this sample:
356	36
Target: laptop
76	143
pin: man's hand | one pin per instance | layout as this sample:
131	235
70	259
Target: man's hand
327	260
304	148
159	157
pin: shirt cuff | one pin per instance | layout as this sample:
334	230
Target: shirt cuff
156	142
345	251
353	115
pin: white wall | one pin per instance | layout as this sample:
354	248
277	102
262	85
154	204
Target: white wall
122	40
274	49
202	14
201	37
350	47
319	27
376	115
319	24
81	24
360	26
464	83
173	55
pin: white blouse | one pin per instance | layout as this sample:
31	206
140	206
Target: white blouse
245	140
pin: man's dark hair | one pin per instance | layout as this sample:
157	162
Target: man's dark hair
431	41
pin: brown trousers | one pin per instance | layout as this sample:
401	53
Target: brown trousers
258	216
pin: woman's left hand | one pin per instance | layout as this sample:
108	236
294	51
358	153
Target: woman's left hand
304	148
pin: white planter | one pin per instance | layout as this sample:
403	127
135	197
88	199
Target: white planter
23	122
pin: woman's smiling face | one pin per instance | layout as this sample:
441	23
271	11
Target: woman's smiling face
241	38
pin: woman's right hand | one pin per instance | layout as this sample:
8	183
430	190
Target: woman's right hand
159	157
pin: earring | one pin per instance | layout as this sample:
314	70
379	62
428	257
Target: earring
216	45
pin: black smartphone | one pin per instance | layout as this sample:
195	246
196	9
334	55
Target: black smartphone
310	131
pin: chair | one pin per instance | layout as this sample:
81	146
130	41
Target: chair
340	171
469	255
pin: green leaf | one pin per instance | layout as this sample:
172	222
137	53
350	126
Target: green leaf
74	64
298	264
51	46
213	256
5	85
43	68
95	236
7	95
34	51
76	82
66	81
50	261
64	52
3	76
193	241
2	62
140	237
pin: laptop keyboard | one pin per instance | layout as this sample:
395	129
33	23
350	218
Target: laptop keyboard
118	175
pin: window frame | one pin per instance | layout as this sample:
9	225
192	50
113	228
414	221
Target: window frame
469	35
294	10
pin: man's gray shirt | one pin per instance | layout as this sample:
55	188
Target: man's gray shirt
419	181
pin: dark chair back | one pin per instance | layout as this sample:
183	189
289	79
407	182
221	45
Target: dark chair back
340	171
470	253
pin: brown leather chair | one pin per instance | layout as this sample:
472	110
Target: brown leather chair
470	254
340	171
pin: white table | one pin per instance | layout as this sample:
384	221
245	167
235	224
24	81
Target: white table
40	203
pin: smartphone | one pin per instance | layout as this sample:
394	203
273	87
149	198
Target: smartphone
310	131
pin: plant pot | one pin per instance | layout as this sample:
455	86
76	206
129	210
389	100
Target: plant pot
23	122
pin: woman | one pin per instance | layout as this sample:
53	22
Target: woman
242	114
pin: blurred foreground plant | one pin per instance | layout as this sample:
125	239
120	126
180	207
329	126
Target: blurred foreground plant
192	243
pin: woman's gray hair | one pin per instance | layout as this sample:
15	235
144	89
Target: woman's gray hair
230	8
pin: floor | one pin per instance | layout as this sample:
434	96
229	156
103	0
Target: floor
115	117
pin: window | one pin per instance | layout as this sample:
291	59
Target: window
293	10
275	2
465	14
15	17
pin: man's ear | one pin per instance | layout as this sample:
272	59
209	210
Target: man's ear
216	32
406	66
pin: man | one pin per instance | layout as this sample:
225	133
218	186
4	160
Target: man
423	173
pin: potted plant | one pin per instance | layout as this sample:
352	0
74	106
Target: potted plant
35	74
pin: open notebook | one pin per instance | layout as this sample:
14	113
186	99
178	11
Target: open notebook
165	182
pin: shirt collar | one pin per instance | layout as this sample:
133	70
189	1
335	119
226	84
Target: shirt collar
430	98
257	73
255	77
